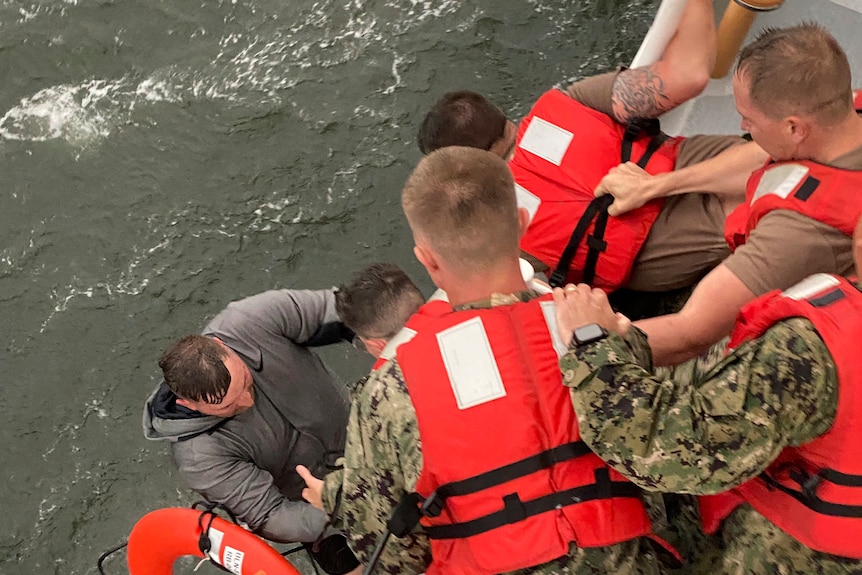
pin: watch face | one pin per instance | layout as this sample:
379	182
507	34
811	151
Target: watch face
589	333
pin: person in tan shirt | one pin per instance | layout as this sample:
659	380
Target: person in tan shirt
792	89
686	241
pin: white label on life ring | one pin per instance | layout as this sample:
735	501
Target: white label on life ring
233	560
546	140
216	538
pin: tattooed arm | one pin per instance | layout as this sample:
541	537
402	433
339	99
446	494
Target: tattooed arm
681	73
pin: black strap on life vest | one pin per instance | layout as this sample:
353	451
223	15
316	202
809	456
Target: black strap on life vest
807	492
413	506
515	510
598	208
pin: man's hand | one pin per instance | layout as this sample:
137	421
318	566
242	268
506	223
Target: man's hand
630	186
314	487
580	305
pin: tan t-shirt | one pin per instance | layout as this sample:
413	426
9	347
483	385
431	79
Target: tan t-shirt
786	247
687	238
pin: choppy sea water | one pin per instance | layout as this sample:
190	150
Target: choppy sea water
160	158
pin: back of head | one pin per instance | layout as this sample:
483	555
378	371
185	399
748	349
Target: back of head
798	71
378	301
194	369
461	118
461	202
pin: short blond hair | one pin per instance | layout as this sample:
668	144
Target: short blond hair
800	70
461	201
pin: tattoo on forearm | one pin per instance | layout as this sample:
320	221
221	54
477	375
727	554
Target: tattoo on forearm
639	93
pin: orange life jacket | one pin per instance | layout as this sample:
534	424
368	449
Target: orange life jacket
812	492
823	193
506	480
564	150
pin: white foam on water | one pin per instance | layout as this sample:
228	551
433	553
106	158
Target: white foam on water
247	69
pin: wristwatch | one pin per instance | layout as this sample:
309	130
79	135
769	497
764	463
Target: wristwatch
590	333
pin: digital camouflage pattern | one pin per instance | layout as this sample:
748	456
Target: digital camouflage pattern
383	460
710	425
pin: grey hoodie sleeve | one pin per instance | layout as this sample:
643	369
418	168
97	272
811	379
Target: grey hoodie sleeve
248	491
298	315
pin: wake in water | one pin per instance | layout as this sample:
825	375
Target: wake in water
257	64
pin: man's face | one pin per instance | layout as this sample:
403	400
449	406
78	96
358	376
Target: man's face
240	393
770	134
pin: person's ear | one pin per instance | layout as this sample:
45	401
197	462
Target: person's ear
374	345
186	403
427	258
523	221
798	129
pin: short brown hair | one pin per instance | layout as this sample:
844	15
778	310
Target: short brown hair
194	369
378	301
798	70
461	201
462	118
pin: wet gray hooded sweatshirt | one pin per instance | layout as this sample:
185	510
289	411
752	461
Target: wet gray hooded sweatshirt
299	415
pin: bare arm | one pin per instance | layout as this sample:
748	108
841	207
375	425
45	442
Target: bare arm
681	74
707	316
724	175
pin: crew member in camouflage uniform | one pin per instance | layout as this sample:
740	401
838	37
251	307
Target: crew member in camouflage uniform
712	433
383	458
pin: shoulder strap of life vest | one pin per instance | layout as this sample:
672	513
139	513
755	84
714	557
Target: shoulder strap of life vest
598	207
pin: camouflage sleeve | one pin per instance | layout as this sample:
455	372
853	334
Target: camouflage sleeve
383	459
705	435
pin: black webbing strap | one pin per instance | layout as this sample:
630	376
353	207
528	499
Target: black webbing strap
841	479
807	495
520	468
412	507
598	208
594	208
515	510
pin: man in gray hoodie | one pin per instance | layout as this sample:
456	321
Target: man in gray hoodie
246	402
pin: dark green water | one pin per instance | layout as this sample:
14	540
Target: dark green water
160	158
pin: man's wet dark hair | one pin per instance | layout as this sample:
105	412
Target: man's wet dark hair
378	301
194	369
461	118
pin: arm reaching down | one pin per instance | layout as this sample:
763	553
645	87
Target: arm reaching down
708	316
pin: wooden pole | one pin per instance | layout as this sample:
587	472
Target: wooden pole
734	26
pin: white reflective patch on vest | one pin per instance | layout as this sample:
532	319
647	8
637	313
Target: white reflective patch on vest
549	310
780	180
403	336
527	200
470	363
546	140
810	287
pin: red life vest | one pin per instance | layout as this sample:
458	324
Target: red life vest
812	492
506	479
823	193
857	100
564	150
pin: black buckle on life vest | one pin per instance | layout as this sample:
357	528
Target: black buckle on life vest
807	482
433	505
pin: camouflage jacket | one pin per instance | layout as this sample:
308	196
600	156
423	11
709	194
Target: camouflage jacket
710	425
383	460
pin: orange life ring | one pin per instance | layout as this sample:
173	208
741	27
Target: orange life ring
164	535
